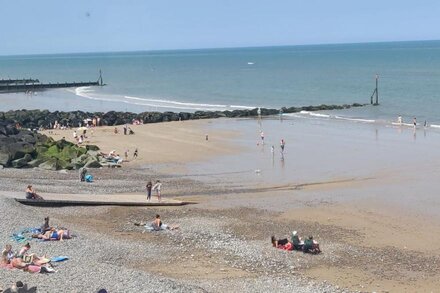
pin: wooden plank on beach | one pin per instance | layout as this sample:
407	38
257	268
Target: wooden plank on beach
65	203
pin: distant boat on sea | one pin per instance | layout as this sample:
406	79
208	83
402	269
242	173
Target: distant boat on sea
251	63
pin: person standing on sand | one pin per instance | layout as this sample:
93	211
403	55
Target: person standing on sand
262	137
125	129
415	122
282	144
158	187
149	186
135	154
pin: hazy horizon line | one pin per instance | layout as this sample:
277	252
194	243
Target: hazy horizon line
214	48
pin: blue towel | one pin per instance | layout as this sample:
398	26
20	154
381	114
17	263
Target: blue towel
59	258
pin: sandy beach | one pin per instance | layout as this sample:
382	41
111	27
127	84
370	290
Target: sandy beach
171	142
374	237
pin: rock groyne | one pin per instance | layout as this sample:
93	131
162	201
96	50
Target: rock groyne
35	119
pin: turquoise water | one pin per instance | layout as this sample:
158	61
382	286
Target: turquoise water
220	79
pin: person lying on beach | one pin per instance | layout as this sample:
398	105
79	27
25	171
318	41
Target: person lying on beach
19	263
52	234
157	225
311	246
281	243
31	194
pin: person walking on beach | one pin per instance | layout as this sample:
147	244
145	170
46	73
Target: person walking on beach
135	154
126	154
125	129
282	144
399	119
158	187
149	186
262	137
415	122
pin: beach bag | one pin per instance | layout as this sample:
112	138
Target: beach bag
89	178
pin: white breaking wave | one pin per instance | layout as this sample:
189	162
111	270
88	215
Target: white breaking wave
315	114
356	119
186	105
88	93
434	126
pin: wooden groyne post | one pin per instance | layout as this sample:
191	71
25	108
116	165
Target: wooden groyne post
375	93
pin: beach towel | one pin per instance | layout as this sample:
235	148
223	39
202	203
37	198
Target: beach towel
59	258
25	234
20	238
150	227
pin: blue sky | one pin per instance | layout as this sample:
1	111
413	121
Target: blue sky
54	26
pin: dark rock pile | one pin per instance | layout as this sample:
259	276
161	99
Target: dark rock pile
22	148
34	119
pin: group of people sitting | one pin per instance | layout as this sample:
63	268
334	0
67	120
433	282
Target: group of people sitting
24	260
309	245
113	157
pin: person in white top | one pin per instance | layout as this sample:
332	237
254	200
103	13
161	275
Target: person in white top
157	187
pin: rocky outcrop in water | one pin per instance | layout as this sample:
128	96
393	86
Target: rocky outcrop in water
22	148
34	119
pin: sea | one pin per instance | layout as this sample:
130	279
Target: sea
241	78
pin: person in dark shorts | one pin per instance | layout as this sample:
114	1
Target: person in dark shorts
149	186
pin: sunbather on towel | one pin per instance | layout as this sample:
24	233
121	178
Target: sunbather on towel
157	225
18	263
31	194
52	234
281	243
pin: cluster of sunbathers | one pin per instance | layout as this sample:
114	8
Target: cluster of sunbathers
30	261
24	260
309	245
